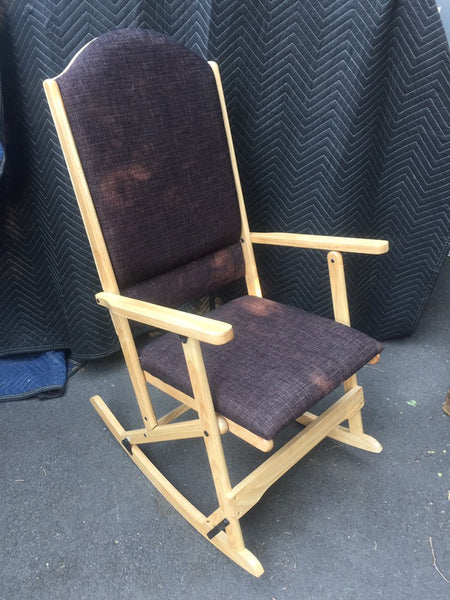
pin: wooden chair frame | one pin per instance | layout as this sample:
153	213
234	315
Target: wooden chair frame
221	527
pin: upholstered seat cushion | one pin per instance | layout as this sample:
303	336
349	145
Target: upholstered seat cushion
281	361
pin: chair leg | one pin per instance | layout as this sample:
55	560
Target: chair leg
213	443
342	315
230	547
355	424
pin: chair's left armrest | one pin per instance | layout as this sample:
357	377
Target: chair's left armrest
169	319
321	242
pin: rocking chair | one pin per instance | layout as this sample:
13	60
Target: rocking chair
143	126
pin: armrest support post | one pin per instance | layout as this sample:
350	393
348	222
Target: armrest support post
339	296
338	287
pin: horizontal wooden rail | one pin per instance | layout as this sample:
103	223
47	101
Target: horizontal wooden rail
247	493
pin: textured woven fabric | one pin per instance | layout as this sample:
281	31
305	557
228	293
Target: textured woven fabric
281	361
193	280
147	121
29	375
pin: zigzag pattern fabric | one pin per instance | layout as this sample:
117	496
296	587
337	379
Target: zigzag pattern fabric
2	133
340	113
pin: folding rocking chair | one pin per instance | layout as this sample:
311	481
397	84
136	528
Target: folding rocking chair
143	126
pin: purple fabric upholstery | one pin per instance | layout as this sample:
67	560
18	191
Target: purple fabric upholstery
146	118
199	277
281	361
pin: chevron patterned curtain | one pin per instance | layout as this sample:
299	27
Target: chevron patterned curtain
340	112
2	134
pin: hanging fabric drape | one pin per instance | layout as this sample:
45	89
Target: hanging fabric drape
2	134
340	117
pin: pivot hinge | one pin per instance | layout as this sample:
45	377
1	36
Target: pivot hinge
127	445
218	528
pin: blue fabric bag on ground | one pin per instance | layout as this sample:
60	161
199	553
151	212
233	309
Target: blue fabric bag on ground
41	375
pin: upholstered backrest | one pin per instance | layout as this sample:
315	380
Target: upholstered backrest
147	122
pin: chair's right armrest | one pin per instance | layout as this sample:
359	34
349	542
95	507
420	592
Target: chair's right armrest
321	242
169	319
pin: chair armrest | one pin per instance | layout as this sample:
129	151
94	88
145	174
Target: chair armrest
321	242
169	319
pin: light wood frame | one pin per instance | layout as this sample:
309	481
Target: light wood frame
221	527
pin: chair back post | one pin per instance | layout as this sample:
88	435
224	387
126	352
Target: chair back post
81	188
98	247
251	272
